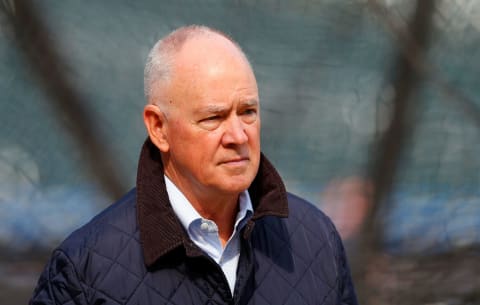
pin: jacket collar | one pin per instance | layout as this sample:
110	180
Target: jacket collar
160	229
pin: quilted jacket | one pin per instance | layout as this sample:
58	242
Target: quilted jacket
137	252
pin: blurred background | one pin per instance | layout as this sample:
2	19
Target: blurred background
370	110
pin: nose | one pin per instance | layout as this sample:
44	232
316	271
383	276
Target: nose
234	132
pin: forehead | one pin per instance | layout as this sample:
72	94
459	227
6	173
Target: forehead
207	54
212	70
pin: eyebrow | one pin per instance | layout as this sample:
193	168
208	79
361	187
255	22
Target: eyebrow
212	108
249	103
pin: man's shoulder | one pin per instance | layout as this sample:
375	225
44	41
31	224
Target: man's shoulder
307	218
306	212
107	232
305	244
97	258
305	223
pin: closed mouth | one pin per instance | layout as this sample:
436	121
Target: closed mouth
235	160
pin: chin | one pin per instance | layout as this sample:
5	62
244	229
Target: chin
237	184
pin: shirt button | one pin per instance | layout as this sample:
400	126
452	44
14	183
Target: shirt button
204	226
212	228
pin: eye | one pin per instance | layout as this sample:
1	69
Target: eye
211	118
210	122
249	115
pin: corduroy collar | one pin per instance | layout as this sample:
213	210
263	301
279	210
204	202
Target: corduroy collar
160	229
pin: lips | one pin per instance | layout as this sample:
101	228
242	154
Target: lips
237	160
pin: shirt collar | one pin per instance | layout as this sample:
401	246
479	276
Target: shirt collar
187	214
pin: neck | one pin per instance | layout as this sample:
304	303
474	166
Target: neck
219	207
222	213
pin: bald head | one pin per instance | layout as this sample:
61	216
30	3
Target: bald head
162	59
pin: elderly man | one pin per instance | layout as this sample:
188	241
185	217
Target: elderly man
210	221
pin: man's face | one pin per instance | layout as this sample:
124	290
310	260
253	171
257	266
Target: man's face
213	121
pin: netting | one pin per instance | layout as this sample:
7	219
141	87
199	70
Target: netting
326	73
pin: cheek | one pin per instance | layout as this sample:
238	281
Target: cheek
253	134
182	134
201	145
179	128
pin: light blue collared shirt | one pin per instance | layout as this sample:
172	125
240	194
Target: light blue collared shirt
204	232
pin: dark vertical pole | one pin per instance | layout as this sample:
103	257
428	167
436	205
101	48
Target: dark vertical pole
389	149
405	81
39	51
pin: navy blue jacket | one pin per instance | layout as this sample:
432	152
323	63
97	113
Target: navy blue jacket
137	252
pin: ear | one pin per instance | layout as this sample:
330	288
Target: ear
156	124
